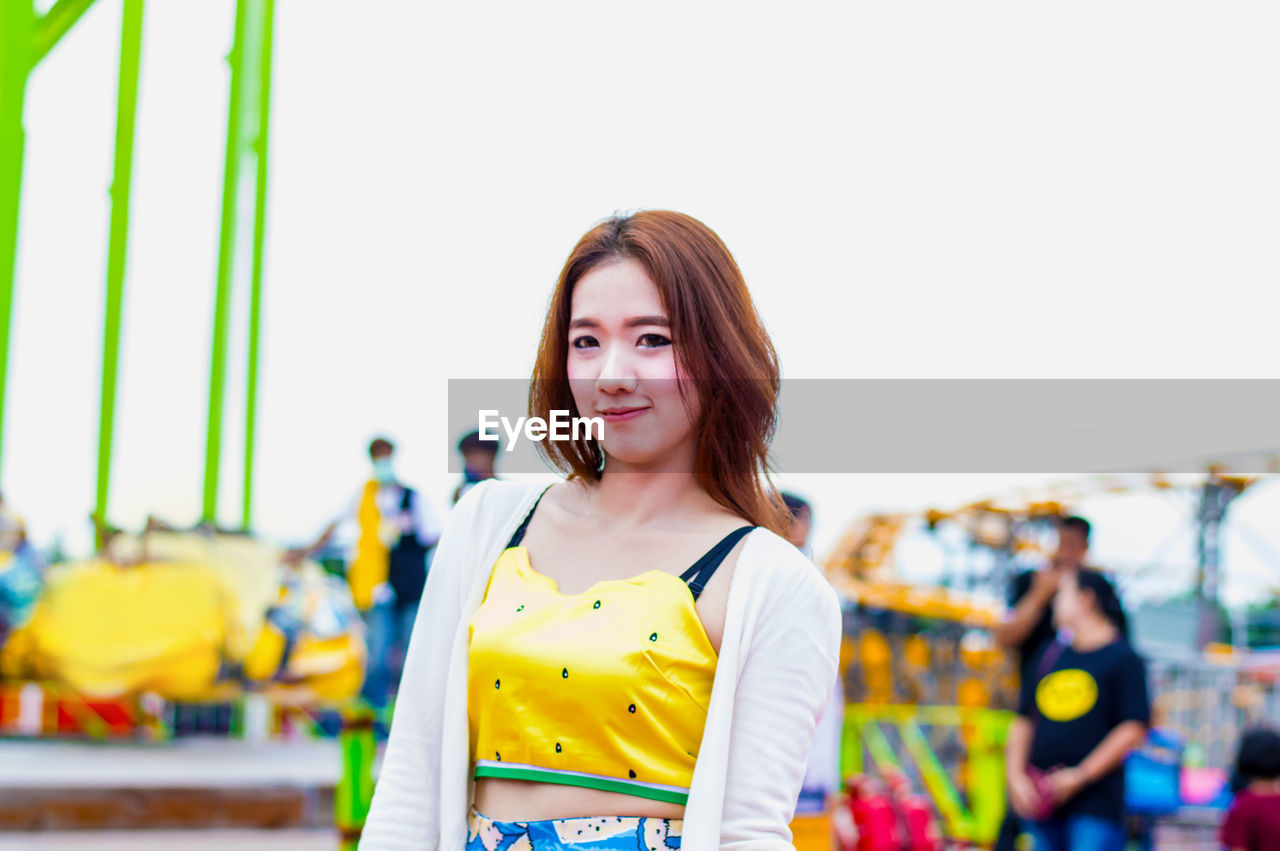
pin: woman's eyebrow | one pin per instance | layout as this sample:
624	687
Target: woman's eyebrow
633	322
636	321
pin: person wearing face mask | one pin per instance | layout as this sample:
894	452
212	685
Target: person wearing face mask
395	531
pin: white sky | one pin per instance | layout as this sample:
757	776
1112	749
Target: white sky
912	190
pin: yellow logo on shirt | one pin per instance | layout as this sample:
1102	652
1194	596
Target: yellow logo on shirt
1066	695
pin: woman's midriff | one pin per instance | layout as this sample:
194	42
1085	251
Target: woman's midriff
521	800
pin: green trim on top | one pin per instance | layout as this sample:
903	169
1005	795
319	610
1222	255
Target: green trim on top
601	783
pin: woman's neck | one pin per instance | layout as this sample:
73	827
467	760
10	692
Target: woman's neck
1095	632
635	499
1265	787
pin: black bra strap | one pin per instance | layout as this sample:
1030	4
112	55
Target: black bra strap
518	536
700	573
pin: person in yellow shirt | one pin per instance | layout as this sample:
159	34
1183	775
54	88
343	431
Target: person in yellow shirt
395	531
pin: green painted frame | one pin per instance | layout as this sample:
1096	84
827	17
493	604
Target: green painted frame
986	729
25	39
248	114
117	245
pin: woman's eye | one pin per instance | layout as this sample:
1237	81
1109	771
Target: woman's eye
584	342
653	341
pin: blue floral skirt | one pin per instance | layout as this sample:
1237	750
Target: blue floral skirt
580	834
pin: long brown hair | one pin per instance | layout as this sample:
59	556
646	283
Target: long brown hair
719	340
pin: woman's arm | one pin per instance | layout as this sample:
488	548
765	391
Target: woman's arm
405	809
1102	760
1023	795
1018	747
787	675
1126	689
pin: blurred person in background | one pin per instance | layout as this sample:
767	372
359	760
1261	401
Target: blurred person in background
21	573
801	522
477	462
395	529
1029	624
1081	711
1253	822
812	827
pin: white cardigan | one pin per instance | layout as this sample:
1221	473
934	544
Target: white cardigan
775	674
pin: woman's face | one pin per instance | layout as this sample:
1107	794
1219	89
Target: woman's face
623	368
1068	603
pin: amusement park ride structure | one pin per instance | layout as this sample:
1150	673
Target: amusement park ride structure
26	39
1007	529
928	694
962	721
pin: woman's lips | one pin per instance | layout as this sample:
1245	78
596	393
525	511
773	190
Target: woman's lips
622	415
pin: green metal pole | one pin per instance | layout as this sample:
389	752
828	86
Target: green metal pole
260	149
17	29
126	106
986	773
878	744
354	793
936	781
850	746
55	24
222	292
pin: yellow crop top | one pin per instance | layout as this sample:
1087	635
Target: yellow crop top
607	689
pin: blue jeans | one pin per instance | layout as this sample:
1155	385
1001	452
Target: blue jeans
387	634
1076	833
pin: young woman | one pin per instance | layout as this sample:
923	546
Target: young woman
1083	709
635	657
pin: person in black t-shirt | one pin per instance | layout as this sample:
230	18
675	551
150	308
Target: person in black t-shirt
1083	709
1029	625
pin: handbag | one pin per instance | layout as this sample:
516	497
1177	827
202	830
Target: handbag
1040	780
1153	774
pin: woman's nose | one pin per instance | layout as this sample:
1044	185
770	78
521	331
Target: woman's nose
617	371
